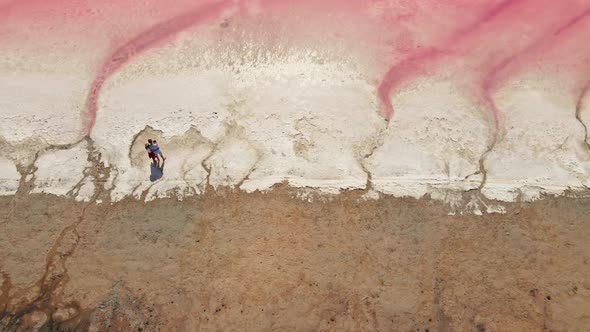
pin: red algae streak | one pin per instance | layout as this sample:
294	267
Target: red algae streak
417	63
149	38
482	50
483	42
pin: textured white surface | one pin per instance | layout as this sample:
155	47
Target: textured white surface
231	162
159	102
58	172
44	106
9	177
542	150
86	190
259	125
433	143
312	133
294	118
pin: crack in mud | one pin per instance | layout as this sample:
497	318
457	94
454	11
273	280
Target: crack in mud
93	171
482	169
109	191
250	171
207	168
377	142
56	274
440	317
146	191
492	141
231	129
190	189
4	292
25	186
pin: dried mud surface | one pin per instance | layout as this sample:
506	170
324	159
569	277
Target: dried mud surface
270	262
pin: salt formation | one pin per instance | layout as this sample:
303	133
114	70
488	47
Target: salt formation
247	95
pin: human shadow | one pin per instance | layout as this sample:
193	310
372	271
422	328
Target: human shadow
156	171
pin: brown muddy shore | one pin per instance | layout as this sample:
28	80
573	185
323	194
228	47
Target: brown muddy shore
270	262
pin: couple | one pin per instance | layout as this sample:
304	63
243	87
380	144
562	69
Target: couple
154	151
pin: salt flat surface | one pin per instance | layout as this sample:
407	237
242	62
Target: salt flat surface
542	150
431	145
231	162
9	177
42	106
59	172
171	105
311	133
314	124
264	125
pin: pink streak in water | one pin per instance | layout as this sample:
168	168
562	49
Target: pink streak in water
503	70
145	40
486	47
520	50
582	85
492	47
414	64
